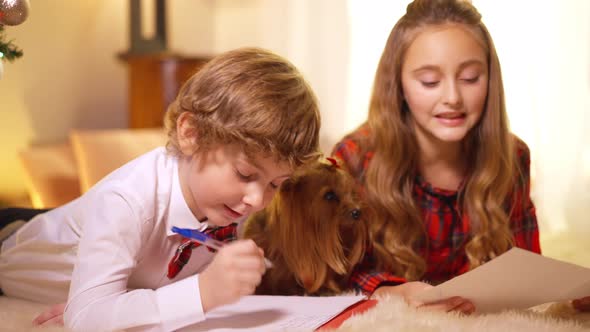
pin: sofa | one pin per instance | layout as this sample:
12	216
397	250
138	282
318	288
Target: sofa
58	173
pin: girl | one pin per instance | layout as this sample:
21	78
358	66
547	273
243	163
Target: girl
437	161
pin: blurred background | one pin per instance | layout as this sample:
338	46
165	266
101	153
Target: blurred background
74	75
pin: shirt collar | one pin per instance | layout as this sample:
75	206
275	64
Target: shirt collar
179	214
427	187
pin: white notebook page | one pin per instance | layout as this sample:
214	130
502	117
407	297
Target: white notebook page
274	313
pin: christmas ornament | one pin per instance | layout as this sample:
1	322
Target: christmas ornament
13	12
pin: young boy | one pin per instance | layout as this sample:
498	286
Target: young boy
237	130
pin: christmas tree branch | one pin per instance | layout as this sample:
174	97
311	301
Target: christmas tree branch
8	51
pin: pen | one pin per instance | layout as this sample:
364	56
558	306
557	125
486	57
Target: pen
206	240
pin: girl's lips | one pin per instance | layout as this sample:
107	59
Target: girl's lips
451	119
450	115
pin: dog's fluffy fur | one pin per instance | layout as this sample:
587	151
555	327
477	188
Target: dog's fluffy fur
314	231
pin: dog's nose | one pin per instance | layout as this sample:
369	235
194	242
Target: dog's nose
355	214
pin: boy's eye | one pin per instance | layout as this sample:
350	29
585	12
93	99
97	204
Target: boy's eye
243	176
430	84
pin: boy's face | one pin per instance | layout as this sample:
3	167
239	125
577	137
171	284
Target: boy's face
224	185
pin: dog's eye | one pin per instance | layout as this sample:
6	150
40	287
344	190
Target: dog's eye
355	214
330	196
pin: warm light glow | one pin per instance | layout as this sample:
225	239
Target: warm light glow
370	24
148	19
546	67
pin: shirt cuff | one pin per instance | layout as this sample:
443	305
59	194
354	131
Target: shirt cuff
180	303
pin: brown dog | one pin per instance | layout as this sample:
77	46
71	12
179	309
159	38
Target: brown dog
313	231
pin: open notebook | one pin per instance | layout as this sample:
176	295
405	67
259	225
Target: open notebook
275	313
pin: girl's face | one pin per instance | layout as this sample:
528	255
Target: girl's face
445	83
225	185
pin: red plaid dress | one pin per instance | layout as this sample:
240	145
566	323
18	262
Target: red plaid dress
448	230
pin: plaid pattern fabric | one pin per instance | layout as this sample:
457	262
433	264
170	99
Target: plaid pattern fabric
365	279
185	249
447	228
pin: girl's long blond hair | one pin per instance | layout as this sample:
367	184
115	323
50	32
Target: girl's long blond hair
489	148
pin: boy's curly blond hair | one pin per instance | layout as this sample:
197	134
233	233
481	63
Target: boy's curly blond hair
253	98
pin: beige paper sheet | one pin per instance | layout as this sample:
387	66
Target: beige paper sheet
516	279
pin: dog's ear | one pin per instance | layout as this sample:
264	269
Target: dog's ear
287	185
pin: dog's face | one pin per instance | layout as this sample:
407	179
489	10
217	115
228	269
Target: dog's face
314	231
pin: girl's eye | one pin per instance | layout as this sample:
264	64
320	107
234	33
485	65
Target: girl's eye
431	84
471	80
274	186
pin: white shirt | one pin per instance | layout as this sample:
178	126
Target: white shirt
117	240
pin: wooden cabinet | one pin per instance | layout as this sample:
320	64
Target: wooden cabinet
153	82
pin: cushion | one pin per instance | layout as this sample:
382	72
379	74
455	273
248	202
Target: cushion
99	152
51	175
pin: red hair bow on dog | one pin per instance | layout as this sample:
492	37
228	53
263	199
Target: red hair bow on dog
334	162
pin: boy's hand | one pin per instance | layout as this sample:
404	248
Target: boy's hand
52	316
409	289
235	271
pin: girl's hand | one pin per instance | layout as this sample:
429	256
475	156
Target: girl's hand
53	316
407	290
235	271
582	304
455	303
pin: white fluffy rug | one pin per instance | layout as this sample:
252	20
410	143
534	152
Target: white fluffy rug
391	314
